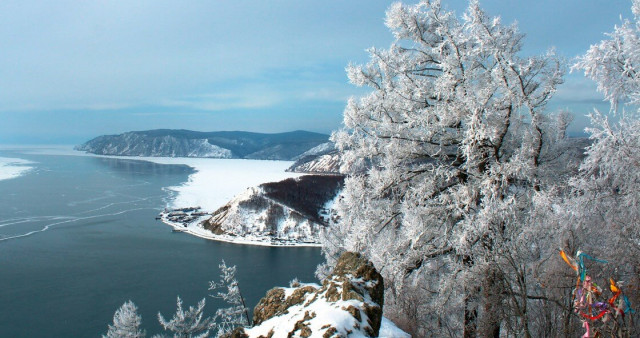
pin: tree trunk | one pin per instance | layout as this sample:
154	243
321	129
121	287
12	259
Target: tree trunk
470	305
489	325
470	317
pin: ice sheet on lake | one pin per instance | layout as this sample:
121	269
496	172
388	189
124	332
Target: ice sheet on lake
13	167
216	181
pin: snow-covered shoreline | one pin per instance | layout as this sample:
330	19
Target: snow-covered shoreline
210	190
194	228
216	182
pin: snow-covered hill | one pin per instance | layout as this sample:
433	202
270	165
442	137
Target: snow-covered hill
323	159
323	164
289	211
185	143
134	144
252	214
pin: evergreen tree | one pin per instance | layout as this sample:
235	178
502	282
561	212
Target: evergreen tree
126	323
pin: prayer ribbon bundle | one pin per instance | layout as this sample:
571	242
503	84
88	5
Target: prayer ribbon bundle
586	294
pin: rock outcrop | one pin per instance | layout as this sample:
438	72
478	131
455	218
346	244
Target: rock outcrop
349	302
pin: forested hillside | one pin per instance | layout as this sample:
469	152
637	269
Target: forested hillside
222	144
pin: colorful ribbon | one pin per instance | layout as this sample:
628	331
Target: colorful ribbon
583	270
586	292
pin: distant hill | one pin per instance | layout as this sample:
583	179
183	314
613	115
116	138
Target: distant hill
323	159
220	144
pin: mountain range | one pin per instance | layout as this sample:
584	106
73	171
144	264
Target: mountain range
221	144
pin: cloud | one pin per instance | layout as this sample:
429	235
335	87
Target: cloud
577	89
333	93
80	55
226	101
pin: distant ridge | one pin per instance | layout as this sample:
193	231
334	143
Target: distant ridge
218	144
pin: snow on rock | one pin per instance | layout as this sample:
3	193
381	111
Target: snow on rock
347	304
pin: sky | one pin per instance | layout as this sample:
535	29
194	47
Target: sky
73	70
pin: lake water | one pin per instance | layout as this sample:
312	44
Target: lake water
78	237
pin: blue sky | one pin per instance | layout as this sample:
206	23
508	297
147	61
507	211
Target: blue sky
72	70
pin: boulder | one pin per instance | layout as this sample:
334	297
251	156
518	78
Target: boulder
349	301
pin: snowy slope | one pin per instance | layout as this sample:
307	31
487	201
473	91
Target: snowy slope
293	210
323	159
254	214
318	150
326	164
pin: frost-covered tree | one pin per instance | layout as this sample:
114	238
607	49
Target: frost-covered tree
191	323
613	63
608	187
126	323
237	313
603	209
188	324
445	155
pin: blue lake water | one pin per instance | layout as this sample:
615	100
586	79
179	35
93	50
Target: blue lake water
78	237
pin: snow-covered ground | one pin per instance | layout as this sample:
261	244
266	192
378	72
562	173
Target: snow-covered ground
194	228
389	330
13	167
324	314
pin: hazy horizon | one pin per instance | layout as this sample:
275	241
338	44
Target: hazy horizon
73	71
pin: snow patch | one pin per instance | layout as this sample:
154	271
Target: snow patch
13	167
390	330
327	209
